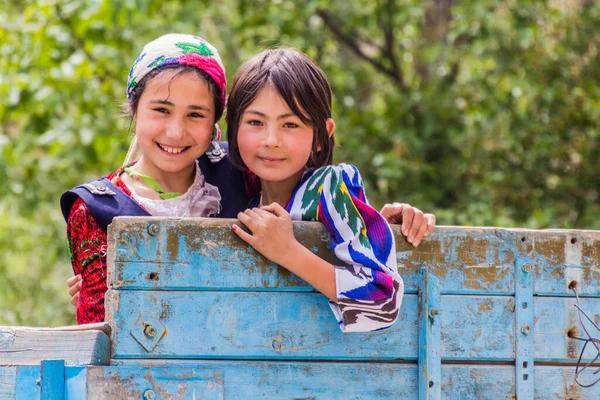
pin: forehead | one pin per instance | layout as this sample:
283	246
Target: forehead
170	77
173	84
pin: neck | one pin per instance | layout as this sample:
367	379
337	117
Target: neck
178	182
278	191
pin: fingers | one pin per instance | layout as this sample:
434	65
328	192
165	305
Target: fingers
408	214
73	280
74	284
430	223
393	212
75	299
415	224
276	209
250	218
425	227
420	233
245	236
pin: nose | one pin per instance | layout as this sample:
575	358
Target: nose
271	138
175	129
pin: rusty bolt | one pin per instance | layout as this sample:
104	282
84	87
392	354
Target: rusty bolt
433	312
150	331
153	230
525	330
149	395
276	345
38	382
526	268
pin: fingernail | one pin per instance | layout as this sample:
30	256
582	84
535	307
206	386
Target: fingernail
233	227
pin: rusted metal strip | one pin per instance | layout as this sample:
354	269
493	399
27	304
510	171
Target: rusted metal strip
430	362
524	329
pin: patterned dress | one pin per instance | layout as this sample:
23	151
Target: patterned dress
369	288
87	246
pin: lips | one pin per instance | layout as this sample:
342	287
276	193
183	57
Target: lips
172	149
271	159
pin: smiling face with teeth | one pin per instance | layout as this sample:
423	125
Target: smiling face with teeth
174	123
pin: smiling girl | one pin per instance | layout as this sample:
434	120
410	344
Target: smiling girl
280	128
175	94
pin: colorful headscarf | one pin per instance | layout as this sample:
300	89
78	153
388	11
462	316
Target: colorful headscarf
180	49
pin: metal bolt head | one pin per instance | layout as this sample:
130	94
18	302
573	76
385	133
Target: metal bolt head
149	395
434	312
150	331
525	330
526	268
153	230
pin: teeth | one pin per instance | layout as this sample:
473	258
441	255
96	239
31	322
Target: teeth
172	150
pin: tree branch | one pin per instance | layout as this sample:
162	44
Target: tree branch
336	28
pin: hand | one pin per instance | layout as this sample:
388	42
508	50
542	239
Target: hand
415	224
272	233
74	284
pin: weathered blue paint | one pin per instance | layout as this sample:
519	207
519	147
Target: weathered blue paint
53	380
430	363
27	383
524	334
253	326
243	379
193	308
76	383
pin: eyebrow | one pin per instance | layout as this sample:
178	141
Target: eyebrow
264	116
191	107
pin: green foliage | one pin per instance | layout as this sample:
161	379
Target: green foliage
486	113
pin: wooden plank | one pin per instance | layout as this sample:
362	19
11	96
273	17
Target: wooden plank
107	383
305	380
20	383
250	325
29	346
302	380
53	380
203	254
300	325
252	380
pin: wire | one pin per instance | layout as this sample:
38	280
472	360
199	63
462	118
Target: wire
583	365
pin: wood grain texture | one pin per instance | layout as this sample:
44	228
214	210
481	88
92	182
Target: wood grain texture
29	346
203	254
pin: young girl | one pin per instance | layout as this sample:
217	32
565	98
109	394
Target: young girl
176	94
280	127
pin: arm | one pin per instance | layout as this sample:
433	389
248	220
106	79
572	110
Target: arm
366	291
87	246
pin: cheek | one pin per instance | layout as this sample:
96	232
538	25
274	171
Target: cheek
246	143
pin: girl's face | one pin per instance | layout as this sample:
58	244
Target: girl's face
274	143
174	122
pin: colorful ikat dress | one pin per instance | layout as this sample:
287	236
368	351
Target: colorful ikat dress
369	288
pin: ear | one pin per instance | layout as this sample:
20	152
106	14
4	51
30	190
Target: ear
330	126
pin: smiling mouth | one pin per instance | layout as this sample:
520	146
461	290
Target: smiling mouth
172	149
270	159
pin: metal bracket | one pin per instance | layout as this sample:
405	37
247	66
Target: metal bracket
430	360
148	331
524	369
